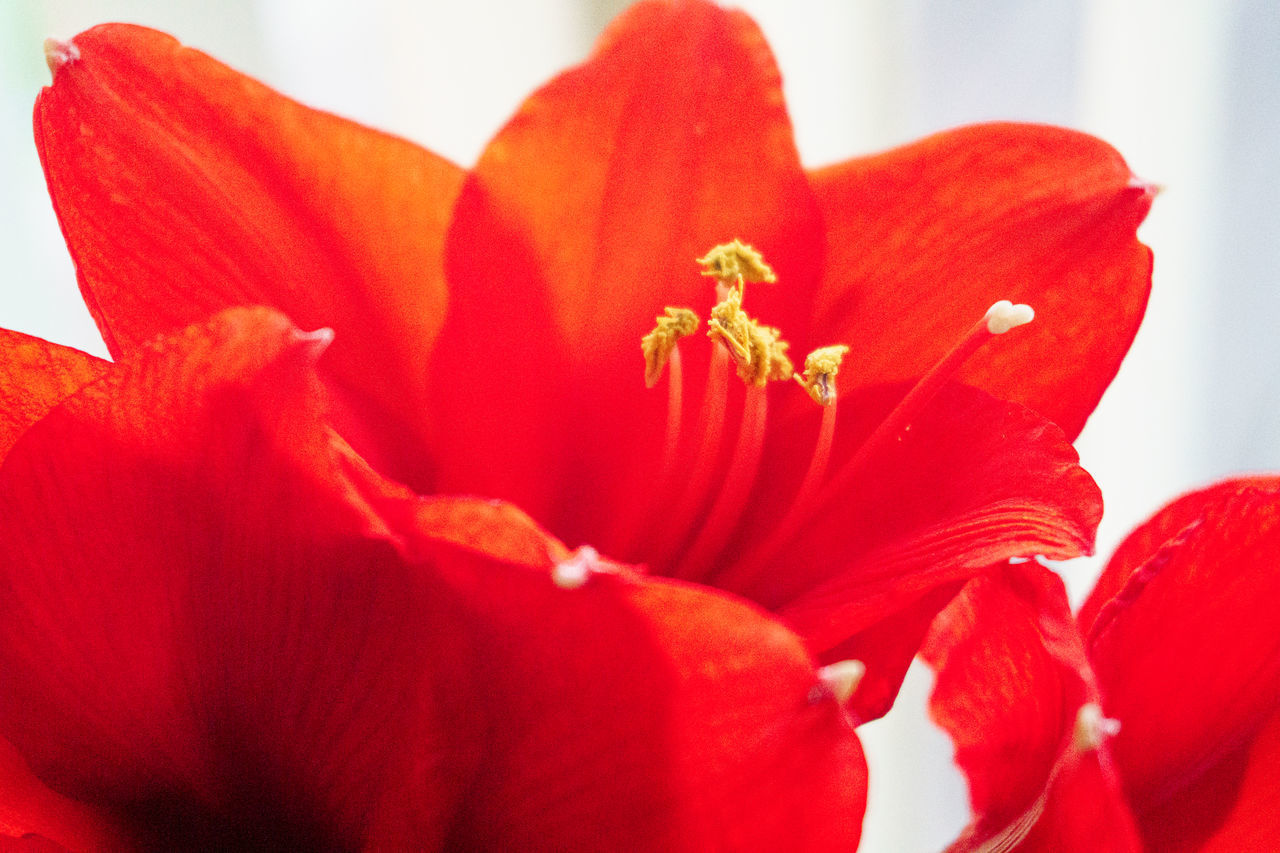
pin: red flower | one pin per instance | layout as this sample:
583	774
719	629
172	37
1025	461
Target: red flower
1173	745
485	339
498	355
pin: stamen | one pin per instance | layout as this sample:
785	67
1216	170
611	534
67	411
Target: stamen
998	319
1092	728
734	491
675	411
730	262
628	529
731	326
711	426
659	344
841	679
820	370
574	572
769	360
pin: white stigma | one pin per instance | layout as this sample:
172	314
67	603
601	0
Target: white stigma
573	572
842	678
314	343
1004	315
1092	728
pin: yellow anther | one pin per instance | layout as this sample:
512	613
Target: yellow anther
736	261
758	351
658	344
731	326
769	361
820	370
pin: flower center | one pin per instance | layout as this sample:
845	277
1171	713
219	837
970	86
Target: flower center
685	535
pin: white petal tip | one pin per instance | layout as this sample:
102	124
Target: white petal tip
1092	728
842	678
574	572
1004	315
58	53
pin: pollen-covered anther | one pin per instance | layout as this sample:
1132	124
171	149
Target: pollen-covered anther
730	262
731	326
58	53
842	678
820	369
769	361
1092	728
574	571
658	345
1004	315
757	350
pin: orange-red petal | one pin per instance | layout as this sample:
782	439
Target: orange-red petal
35	376
922	239
183	187
581	221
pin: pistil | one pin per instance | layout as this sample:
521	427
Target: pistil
1000	318
812	494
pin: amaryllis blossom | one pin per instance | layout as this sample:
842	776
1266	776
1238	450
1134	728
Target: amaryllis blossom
199	663
488	321
1150	721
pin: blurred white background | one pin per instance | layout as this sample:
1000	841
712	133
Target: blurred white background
1188	90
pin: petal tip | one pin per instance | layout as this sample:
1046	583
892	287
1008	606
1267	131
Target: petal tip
839	680
58	53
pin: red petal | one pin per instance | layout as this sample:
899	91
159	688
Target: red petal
35	376
886	649
579	224
1149	537
649	716
221	626
173	537
1083	810
28	808
922	239
1012	678
1240	791
973	482
1188	656
183	187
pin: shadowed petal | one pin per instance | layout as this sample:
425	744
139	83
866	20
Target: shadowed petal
28	808
1238	793
923	238
184	187
1188	656
581	221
